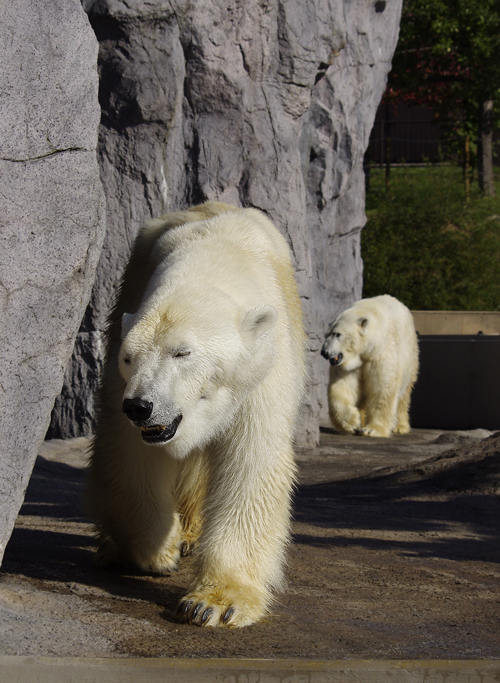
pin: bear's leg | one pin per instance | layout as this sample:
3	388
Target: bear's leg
130	495
343	400
375	425
190	492
403	413
381	392
240	554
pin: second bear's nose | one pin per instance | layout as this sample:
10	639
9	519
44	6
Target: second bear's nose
325	354
136	409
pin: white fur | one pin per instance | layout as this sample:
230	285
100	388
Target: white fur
207	326
369	389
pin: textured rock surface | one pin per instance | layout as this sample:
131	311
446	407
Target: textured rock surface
334	139
52	220
264	104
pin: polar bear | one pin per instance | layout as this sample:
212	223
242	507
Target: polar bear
373	352
201	386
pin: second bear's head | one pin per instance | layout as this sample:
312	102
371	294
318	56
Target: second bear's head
346	341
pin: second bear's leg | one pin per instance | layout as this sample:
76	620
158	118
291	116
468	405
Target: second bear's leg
343	400
240	554
381	401
403	412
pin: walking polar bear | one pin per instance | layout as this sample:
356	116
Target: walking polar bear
373	353
201	387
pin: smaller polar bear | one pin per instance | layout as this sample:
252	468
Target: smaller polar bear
373	352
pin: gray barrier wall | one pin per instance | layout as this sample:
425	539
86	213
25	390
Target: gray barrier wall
459	383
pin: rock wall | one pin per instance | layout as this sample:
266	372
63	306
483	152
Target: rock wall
266	104
334	138
52	220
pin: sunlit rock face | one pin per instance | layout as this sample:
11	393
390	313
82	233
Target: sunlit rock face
262	104
52	220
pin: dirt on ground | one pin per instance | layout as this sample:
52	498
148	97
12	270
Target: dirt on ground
395	555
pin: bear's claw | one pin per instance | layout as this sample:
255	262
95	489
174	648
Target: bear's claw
186	549
203	615
183	609
198	615
206	615
227	616
196	611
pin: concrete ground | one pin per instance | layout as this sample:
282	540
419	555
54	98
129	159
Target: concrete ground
395	557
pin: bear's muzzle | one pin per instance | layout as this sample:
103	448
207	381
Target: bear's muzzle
333	361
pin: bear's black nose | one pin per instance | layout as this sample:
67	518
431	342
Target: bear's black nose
136	409
325	354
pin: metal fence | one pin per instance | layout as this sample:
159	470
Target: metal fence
403	134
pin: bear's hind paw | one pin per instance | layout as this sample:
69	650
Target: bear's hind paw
107	552
165	562
402	429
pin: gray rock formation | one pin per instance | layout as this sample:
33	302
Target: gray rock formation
52	220
264	104
334	138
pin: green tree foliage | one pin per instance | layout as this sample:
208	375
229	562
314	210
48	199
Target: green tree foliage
424	245
448	57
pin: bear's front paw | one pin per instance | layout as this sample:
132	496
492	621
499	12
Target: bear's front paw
373	431
346	420
217	605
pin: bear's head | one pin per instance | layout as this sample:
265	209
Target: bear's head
189	363
345	340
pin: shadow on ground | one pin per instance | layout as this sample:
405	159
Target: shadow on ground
395	555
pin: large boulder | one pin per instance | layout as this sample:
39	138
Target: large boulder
52	220
263	104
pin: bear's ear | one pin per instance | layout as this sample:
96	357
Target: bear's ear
128	320
363	322
258	321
